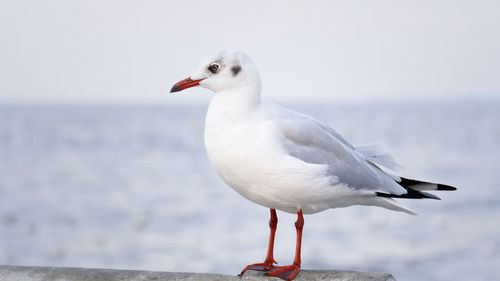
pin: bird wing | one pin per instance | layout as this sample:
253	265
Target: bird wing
309	140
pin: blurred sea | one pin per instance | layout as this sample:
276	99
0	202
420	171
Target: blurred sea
131	187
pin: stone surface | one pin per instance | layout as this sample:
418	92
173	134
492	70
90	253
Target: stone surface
32	273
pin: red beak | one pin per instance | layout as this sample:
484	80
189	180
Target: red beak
184	84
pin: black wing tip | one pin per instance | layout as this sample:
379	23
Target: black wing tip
407	183
445	187
416	194
411	194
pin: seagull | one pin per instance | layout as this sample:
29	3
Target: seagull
284	160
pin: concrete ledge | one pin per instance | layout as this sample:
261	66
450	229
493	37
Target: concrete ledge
34	273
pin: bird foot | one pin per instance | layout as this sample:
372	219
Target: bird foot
287	272
262	266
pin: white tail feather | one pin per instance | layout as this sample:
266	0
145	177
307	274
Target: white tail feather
391	204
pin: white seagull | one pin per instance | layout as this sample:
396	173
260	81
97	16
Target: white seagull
288	161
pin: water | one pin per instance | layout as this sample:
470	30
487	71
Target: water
131	187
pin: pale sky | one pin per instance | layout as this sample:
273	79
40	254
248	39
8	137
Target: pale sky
133	51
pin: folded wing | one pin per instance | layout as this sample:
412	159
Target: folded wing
313	142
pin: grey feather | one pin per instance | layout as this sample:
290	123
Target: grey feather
313	142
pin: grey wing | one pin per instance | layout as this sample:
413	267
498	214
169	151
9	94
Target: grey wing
313	142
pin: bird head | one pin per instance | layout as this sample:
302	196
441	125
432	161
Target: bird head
227	71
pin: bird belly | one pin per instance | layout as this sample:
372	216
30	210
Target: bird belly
263	173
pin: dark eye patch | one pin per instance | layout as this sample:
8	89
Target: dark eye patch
235	70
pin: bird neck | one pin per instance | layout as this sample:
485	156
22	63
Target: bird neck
238	100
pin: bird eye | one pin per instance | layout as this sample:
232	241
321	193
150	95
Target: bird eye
214	67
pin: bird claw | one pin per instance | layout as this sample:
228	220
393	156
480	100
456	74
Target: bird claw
263	266
287	272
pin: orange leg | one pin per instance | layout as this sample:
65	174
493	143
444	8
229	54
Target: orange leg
289	272
268	264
